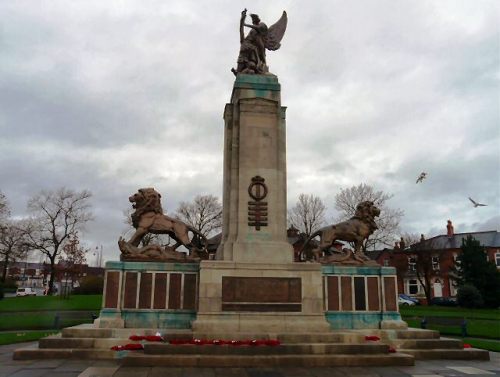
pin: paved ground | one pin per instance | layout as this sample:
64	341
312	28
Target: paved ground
75	368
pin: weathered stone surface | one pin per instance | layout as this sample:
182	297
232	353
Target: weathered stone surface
254	146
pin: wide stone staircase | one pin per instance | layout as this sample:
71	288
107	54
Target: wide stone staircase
336	348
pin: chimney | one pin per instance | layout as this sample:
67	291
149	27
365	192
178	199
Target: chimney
449	229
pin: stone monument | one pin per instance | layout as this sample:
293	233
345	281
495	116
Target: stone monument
253	285
252	290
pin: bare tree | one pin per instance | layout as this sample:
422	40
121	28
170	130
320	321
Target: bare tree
204	214
12	244
4	208
410	239
71	261
56	215
308	214
388	221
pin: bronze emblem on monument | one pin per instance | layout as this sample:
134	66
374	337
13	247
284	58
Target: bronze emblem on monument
257	209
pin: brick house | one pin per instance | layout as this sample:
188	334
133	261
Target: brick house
36	275
444	250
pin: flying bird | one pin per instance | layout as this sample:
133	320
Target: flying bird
476	204
421	177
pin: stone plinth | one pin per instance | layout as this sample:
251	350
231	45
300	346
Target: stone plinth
259	298
254	187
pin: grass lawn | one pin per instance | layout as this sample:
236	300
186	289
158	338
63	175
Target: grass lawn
41	320
444	311
41	303
23	336
480	322
484	344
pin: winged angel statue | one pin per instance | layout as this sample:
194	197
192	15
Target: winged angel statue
252	57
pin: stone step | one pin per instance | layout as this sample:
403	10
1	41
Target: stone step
84	332
283	338
413	333
57	342
245	361
450	354
288	349
427	344
51	353
88	331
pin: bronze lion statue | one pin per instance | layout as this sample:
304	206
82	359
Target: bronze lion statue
357	229
149	218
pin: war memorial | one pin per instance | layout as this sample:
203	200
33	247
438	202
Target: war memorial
251	305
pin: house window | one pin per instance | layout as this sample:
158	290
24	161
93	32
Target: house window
386	262
412	262
435	263
497	259
412	287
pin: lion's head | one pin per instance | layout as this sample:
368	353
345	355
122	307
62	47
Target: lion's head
145	200
367	211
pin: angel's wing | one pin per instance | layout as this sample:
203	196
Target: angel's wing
275	33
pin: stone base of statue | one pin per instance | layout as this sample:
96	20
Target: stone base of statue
260	298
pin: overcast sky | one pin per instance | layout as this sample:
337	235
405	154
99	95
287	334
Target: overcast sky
112	96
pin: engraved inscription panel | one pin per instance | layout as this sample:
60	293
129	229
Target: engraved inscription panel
112	285
359	293
345	285
390	294
333	293
174	294
160	299
130	290
189	301
145	290
373	294
261	293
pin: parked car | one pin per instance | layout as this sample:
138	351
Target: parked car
409	298
404	302
25	292
444	301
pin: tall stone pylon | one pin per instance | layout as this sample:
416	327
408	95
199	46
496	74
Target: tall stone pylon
254	188
254	285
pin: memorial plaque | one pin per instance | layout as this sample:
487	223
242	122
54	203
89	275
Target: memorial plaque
390	294
261	294
333	293
373	295
345	285
112	285
145	290
160	298
130	290
174	294
359	293
189	301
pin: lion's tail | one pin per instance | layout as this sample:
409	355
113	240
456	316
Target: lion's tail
203	240
315	234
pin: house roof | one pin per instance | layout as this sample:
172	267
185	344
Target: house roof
375	254
487	239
